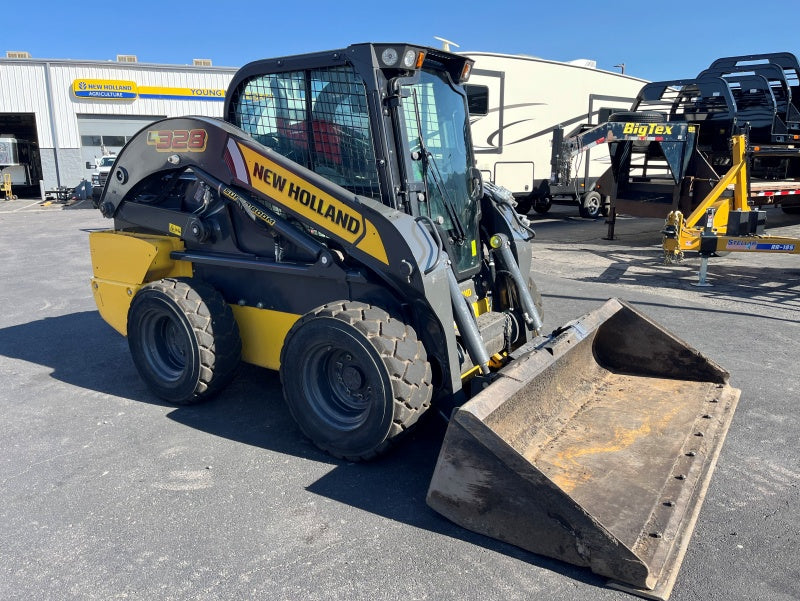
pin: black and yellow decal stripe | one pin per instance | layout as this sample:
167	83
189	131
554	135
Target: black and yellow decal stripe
254	211
302	197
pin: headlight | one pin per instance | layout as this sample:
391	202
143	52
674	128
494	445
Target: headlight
409	59
389	57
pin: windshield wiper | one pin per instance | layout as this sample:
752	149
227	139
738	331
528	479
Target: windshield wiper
436	176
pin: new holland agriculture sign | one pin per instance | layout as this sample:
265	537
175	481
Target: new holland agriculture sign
116	89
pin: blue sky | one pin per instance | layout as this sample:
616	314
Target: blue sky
656	40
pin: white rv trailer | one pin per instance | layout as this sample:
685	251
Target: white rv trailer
515	103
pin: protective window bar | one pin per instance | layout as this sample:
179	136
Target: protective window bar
343	149
333	140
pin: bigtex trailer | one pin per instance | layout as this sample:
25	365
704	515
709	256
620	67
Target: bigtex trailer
754	95
334	228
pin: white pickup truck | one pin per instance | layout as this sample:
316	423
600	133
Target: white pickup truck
99	177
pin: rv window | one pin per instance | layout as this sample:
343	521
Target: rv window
477	99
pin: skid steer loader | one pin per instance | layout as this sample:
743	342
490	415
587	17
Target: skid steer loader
333	227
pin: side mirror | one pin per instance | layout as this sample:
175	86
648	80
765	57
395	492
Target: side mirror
89	165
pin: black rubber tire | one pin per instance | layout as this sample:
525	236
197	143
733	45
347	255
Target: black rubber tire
637	117
792	210
183	339
355	379
524	205
543	206
591	205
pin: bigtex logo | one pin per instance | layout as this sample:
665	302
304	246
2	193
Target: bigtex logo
647	129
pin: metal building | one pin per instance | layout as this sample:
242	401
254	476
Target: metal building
77	110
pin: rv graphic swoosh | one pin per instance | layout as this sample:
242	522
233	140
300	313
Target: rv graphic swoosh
490	141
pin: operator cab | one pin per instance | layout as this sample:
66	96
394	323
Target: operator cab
411	152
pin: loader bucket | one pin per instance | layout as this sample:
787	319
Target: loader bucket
595	448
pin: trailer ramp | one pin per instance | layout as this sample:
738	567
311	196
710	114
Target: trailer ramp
596	448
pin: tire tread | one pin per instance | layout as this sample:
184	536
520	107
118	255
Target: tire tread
403	356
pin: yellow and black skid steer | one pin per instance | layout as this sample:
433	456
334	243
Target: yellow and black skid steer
333	227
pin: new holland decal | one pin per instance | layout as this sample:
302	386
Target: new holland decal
116	89
304	198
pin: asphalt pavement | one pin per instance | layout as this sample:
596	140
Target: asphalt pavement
108	493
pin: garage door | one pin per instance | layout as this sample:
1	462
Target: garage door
104	134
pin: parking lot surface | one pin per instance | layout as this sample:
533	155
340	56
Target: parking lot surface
108	493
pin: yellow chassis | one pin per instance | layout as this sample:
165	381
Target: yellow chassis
123	262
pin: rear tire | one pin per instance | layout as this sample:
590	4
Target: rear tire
355	379
792	210
543	205
524	205
591	205
183	339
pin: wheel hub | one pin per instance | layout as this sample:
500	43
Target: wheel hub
352	378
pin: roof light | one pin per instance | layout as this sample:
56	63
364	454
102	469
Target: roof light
389	57
409	59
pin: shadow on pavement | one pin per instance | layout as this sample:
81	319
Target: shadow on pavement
83	351
753	285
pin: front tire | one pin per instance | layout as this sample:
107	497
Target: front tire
183	339
355	379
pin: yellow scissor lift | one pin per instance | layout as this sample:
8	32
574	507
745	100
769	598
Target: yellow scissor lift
723	224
